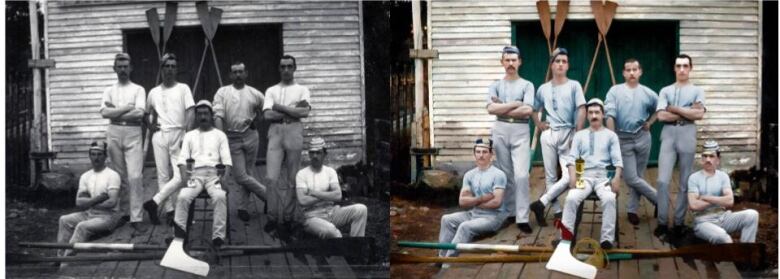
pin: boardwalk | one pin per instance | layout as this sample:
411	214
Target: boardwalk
639	237
274	265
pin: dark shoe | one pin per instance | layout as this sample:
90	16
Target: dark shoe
555	243
655	212
606	245
559	215
679	231
524	227
538	208
660	230
243	215
633	219
217	242
169	216
151	208
123	220
179	232
138	227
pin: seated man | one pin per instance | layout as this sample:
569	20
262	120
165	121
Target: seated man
208	147
709	194
317	188
482	192
97	195
599	147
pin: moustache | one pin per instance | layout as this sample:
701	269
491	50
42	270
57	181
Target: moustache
594	119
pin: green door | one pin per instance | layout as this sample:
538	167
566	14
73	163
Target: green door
653	43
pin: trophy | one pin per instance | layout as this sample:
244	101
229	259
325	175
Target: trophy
579	170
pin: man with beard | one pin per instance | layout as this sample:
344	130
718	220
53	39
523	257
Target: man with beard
599	147
483	194
124	103
318	190
511	100
564	101
172	102
98	196
709	194
630	113
679	105
208	147
285	104
235	108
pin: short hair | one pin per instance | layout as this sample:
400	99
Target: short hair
287	56
685	56
510	50
587	106
99	146
121	57
632	60
166	57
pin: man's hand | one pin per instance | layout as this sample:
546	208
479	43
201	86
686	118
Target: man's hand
496	100
615	185
302	104
572	182
486	198
646	126
109	104
673	109
544	125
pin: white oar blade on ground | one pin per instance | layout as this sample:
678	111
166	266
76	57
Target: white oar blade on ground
175	258
562	261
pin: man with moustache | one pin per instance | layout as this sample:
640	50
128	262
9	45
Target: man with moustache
511	100
599	147
679	105
235	108
286	103
124	103
630	113
564	101
482	193
318	190
172	101
709	195
208	147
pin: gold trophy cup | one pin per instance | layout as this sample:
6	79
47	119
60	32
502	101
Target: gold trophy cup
579	170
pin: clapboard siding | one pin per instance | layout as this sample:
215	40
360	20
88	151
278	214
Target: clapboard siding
722	38
324	36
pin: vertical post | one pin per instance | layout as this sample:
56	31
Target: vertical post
428	8
35	133
417	129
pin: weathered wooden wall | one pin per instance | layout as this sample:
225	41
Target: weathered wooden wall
721	37
323	36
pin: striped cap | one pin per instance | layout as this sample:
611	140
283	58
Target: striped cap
486	143
98	145
711	147
316	144
122	56
556	52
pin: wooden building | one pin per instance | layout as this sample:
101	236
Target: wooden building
82	37
723	37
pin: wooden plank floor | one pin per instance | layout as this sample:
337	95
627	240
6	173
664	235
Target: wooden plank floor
635	237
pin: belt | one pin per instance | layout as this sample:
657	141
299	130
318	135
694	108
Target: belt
511	120
126	123
679	123
284	120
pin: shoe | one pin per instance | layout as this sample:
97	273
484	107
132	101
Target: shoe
559	215
538	208
243	215
217	242
555	242
138	227
524	227
606	245
169	216
151	208
660	230
633	219
680	230
179	232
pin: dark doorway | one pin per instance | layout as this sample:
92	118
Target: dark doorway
258	46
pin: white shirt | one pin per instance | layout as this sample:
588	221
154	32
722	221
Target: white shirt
207	148
324	180
96	183
170	105
236	106
121	95
286	95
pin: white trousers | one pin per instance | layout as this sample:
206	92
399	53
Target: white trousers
555	145
716	227
608	201
510	143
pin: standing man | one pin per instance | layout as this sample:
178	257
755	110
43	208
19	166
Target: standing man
98	196
679	105
630	113
172	102
318	190
235	108
209	148
511	100
564	101
599	147
285	104
124	103
709	195
483	194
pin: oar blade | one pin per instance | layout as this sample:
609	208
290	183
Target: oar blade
171	9
561	12
153	19
543	8
216	16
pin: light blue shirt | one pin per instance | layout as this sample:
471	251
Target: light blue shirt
509	91
599	149
560	102
684	96
700	183
480	182
630	107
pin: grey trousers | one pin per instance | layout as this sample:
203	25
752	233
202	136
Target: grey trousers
678	145
555	145
243	151
203	178
608	203
79	226
716	227
461	227
167	145
327	226
510	143
635	150
127	158
285	142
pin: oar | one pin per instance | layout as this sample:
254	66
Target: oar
171	11
561	11
153	20
209	21
610	8
543	7
598	13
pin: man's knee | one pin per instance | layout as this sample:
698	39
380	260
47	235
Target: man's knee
218	197
571	200
721	239
752	215
608	200
360	210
